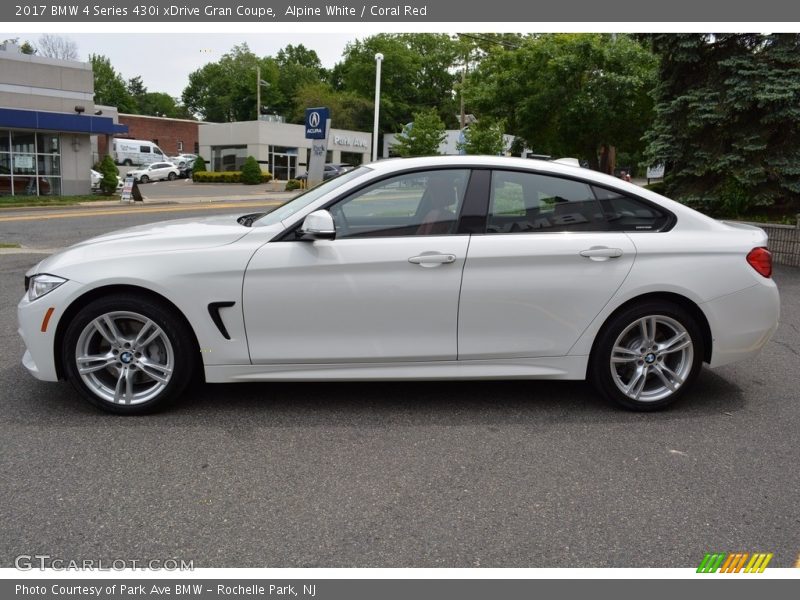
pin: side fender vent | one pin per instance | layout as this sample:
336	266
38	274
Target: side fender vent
213	311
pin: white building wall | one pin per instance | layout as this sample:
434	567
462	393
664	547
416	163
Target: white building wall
258	136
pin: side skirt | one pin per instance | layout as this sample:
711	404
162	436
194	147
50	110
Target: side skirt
559	367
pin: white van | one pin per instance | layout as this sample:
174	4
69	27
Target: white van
136	152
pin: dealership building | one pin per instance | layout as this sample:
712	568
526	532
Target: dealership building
280	148
47	122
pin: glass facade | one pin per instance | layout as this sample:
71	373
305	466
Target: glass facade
228	158
282	162
30	163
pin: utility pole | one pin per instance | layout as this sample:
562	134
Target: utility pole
258	92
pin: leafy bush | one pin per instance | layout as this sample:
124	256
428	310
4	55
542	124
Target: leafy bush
226	177
109	171
199	164
293	184
251	172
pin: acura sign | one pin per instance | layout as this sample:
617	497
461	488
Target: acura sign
316	119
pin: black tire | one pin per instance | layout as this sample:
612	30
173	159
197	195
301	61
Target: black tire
124	310
144	179
635	360
127	162
171	176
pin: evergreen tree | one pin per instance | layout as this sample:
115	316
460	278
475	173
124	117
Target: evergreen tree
728	119
251	172
199	165
109	171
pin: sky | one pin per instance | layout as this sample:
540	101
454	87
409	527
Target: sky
164	60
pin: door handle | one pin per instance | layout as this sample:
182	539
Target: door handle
601	253
433	259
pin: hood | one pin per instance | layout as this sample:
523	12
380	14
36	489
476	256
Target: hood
165	236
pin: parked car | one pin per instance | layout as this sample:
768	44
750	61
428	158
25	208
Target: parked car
182	160
97	178
334	169
330	171
451	267
154	172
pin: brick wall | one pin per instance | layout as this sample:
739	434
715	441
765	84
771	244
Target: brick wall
164	132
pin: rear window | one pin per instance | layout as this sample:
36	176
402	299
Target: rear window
625	213
523	202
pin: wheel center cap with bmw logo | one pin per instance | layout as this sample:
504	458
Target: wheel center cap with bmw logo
126	357
650	358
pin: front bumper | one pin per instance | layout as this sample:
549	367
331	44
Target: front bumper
39	357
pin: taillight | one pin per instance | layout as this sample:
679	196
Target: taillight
761	260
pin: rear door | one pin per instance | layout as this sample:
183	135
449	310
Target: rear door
544	268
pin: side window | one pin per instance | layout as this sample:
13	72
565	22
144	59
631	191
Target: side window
529	202
421	203
624	213
144	149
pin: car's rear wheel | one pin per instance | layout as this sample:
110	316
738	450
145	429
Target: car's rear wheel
127	162
647	356
128	355
144	179
171	176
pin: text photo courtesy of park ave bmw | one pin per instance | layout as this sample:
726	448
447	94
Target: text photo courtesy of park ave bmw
298	299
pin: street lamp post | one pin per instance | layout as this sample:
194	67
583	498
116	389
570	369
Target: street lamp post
378	59
259	83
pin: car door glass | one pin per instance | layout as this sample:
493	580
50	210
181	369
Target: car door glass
530	202
420	203
625	213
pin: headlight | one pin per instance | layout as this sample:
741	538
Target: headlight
39	285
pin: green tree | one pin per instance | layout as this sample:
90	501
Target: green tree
728	119
199	165
225	91
160	104
348	110
422	137
251	172
298	66
485	136
109	86
416	74
109	171
25	47
568	94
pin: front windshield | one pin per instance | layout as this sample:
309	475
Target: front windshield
300	202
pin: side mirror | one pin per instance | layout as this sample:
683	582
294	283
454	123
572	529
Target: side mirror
318	226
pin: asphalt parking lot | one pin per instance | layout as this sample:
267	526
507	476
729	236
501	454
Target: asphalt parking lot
489	474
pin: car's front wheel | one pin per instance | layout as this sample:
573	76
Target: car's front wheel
647	356
171	176
128	355
144	179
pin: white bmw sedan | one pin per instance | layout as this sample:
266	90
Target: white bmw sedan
430	268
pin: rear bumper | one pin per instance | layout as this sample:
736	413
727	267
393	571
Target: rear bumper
743	322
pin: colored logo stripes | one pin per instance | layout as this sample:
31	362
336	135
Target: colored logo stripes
734	562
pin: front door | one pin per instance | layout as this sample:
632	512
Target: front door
386	289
